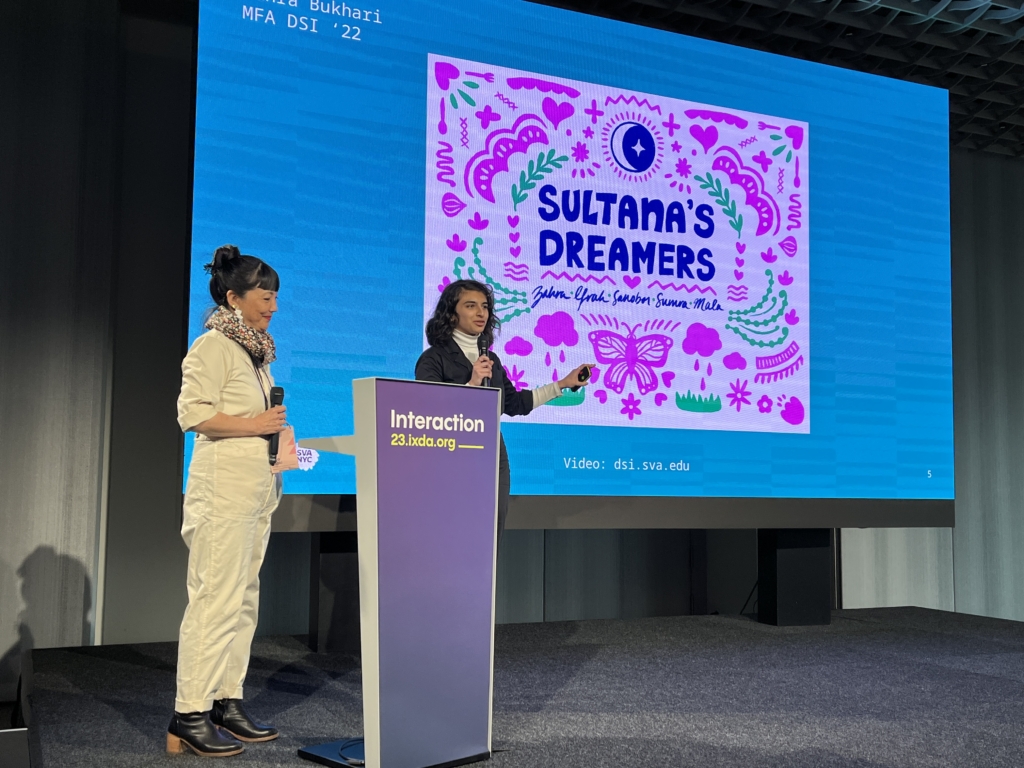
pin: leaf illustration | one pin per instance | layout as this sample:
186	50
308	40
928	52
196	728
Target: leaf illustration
535	171
721	196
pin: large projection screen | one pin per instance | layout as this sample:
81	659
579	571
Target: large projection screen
754	250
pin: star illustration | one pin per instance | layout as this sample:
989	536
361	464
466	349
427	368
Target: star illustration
638	148
676	146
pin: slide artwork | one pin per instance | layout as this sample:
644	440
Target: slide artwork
665	240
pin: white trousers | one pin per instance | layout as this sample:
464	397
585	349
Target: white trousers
230	496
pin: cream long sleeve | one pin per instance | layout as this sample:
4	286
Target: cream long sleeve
218	376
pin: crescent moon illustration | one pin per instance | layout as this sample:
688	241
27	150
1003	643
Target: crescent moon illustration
632	146
615	143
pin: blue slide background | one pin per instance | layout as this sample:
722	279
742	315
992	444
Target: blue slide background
310	153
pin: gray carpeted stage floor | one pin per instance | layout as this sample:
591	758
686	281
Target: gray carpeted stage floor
886	687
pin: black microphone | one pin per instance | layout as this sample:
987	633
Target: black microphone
483	343
276	398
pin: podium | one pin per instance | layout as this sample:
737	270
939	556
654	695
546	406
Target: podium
426	511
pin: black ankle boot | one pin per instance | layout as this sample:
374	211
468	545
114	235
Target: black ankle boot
194	731
229	715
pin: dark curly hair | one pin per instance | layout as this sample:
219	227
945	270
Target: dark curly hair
444	320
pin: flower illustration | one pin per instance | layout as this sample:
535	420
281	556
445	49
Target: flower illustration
769	256
456	243
516	377
632	406
444	284
683	167
764	405
763	160
739	395
676	146
580	153
588	132
487	116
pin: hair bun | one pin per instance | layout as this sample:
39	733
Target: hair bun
221	258
225	254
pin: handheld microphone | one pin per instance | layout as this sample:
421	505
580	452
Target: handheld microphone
276	398
483	343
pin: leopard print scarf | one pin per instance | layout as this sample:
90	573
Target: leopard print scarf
259	344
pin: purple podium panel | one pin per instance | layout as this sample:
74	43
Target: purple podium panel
437	467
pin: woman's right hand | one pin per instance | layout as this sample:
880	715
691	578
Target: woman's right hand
481	370
270	422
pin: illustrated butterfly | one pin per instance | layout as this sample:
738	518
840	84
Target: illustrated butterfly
628	356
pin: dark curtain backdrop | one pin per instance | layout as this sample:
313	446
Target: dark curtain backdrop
95	199
145	556
988	302
59	101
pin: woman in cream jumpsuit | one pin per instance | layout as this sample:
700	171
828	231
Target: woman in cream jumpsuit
230	496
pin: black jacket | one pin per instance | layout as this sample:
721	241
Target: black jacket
447	363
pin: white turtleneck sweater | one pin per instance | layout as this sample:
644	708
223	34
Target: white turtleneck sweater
468	345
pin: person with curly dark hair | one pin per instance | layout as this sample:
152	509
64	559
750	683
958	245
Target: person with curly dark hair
462	318
229	499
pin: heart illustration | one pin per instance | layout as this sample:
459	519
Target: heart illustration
513	221
631	280
515	251
740	248
660	398
796	133
667	377
706	137
739	275
444	73
739	262
555	112
513	236
601	395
